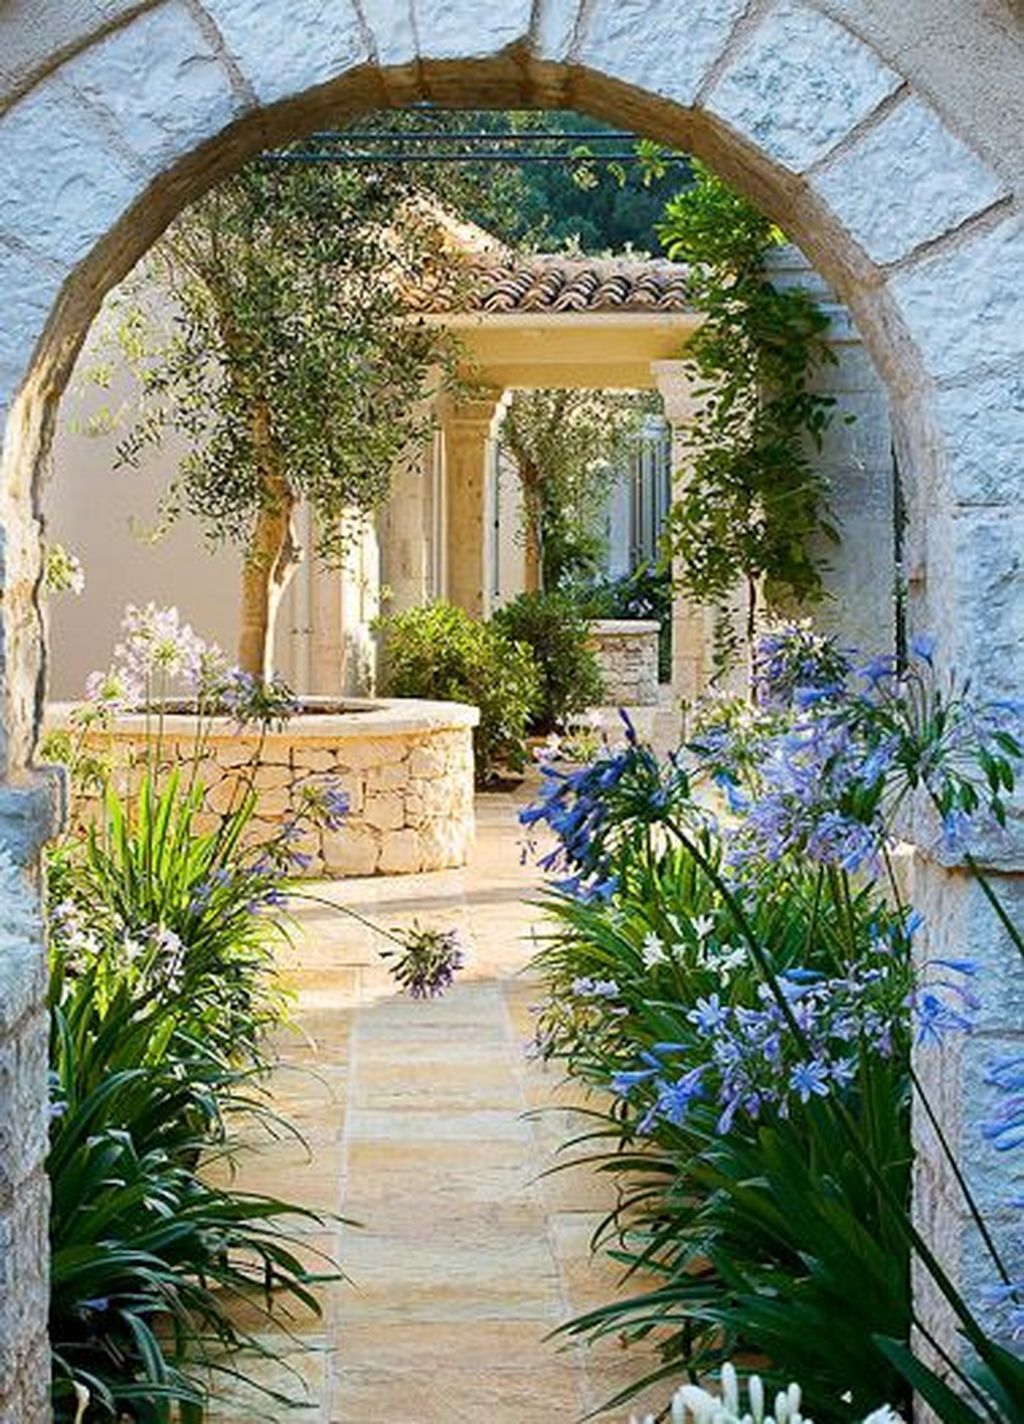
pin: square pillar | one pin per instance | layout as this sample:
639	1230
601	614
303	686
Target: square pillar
692	624
467	428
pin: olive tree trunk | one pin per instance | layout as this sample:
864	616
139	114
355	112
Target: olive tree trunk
271	558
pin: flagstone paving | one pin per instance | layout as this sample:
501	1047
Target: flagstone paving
429	1125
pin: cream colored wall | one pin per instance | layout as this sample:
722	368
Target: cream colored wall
94	510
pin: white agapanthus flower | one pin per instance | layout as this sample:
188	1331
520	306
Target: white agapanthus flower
693	1405
702	926
652	951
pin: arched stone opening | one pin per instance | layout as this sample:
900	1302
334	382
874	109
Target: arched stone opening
873	164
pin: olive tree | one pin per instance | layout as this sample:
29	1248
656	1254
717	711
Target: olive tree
289	364
565	444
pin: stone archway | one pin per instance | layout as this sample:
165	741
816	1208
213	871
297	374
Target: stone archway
886	141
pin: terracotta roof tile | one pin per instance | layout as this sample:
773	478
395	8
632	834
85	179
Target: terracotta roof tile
570	284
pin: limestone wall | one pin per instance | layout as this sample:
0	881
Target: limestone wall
406	768
627	650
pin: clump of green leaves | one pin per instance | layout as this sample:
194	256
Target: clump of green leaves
160	998
567	445
754	507
555	628
439	651
266	330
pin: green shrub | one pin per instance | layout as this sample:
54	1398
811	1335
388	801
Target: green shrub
148	1258
744	1221
439	651
148	866
552	625
160	998
749	1238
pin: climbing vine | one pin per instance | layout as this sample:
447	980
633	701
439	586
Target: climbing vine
754	508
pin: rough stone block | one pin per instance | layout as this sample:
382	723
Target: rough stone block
962	303
24	1249
392	29
359	754
234	753
983	632
31	286
61	206
385	811
435	796
799	84
400	853
428	761
223	794
24	1121
387	778
275	802
32	813
271	778
664	49
461	29
22	975
555	28
160	80
931	180
959	923
315	759
997	1178
443	844
287	46
354	850
982	427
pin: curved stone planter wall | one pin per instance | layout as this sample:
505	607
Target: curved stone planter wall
406	766
627	650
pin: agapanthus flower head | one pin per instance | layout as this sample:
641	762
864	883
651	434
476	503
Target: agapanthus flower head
116	690
250	701
427	962
158	647
753	1059
652	951
794	665
923	646
322	802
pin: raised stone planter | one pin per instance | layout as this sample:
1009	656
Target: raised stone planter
406	767
627	650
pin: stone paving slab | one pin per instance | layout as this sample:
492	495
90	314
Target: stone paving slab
429	1126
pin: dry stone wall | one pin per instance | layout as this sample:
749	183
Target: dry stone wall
406	769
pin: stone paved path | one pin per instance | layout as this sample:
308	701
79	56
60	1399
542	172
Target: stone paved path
466	1256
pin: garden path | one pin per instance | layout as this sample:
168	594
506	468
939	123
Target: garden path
415	1116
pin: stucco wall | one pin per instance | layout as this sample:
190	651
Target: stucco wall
102	514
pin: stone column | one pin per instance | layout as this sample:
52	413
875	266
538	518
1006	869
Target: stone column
468	427
31	811
401	533
692	625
